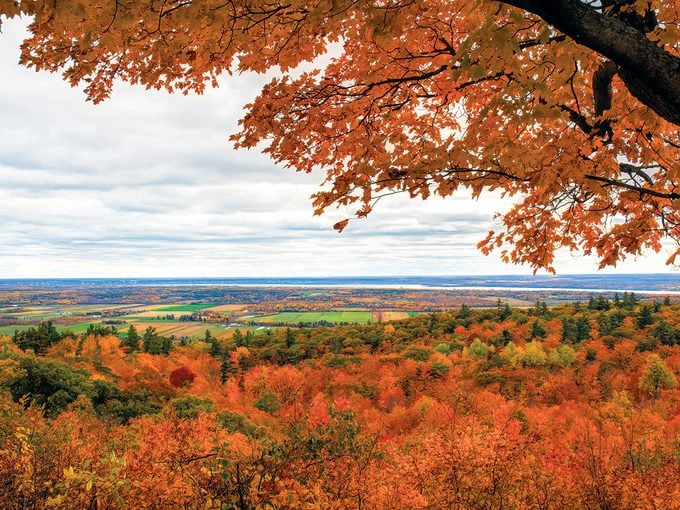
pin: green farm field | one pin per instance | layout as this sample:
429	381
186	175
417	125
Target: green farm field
82	327
297	317
73	328
9	330
192	329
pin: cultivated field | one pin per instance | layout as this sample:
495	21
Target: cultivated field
192	307
228	308
305	317
154	314
384	316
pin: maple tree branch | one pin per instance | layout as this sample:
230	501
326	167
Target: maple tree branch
632	187
485	172
569	195
576	117
404	79
633	170
650	73
672	143
396	175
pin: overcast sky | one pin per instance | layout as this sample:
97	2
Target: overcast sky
147	184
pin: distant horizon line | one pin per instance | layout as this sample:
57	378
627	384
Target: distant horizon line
511	275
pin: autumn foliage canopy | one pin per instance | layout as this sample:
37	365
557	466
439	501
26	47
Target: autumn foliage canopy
570	107
573	407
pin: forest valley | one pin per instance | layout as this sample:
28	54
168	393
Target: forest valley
575	406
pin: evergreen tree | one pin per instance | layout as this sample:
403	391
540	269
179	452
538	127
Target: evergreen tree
432	323
600	303
568	330
539	309
290	338
616	319
591	303
215	347
38	339
238	338
582	329
665	333
537	330
604	325
629	300
90	330
166	345
464	312
248	339
505	312
151	341
131	342
645	317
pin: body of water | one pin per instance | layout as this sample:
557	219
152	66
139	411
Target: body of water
643	283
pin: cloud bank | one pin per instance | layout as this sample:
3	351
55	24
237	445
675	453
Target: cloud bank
147	184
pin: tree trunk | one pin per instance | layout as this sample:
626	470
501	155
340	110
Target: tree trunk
650	73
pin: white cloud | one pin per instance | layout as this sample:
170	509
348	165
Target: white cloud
147	184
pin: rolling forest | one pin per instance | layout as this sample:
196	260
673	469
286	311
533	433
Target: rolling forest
574	406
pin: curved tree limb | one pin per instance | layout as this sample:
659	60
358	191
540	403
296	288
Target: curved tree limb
651	73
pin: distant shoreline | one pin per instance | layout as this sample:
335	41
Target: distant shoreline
650	284
412	287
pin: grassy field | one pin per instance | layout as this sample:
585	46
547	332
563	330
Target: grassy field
297	317
82	327
74	328
9	330
193	307
166	328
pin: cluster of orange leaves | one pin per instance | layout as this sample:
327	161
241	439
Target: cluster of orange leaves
421	97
